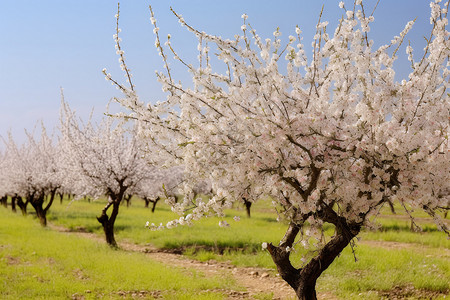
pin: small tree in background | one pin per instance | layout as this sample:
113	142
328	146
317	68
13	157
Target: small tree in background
47	163
3	178
160	183
101	160
33	173
331	138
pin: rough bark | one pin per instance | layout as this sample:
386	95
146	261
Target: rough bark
303	280
22	204
128	199
38	205
40	213
107	222
391	205
152	201
154	204
4	201
13	204
248	205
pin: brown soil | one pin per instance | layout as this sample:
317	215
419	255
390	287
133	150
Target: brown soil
398	246
408	292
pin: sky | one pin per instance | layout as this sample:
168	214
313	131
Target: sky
49	45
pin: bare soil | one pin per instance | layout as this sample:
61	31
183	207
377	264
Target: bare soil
444	252
406	292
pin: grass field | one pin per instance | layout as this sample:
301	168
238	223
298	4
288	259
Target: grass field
37	263
392	262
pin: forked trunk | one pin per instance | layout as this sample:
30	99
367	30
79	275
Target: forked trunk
108	221
154	203
303	280
22	204
128	200
4	201
38	205
108	228
41	215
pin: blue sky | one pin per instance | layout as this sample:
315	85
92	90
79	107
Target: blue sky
49	44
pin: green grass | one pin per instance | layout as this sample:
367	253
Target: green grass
381	269
37	263
420	262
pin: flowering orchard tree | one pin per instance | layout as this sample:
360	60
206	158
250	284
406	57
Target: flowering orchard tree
331	138
160	183
3	188
47	164
101	160
33	173
9	175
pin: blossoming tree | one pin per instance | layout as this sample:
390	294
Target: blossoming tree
160	183
33	173
101	160
3	187
331	138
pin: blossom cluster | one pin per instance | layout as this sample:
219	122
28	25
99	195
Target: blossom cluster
334	132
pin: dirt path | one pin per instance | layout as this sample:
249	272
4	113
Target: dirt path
254	280
399	245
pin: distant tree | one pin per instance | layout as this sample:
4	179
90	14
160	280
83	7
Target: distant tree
161	183
33	173
101	160
4	200
3	180
22	202
330	139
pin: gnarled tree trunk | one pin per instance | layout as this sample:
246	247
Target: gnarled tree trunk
303	280
4	201
38	205
152	201
128	199
22	204
107	222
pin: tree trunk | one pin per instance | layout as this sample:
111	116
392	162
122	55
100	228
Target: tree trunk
38	205
391	205
4	201
22	204
147	201
248	205
303	280
128	199
108	221
13	204
40	214
154	203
